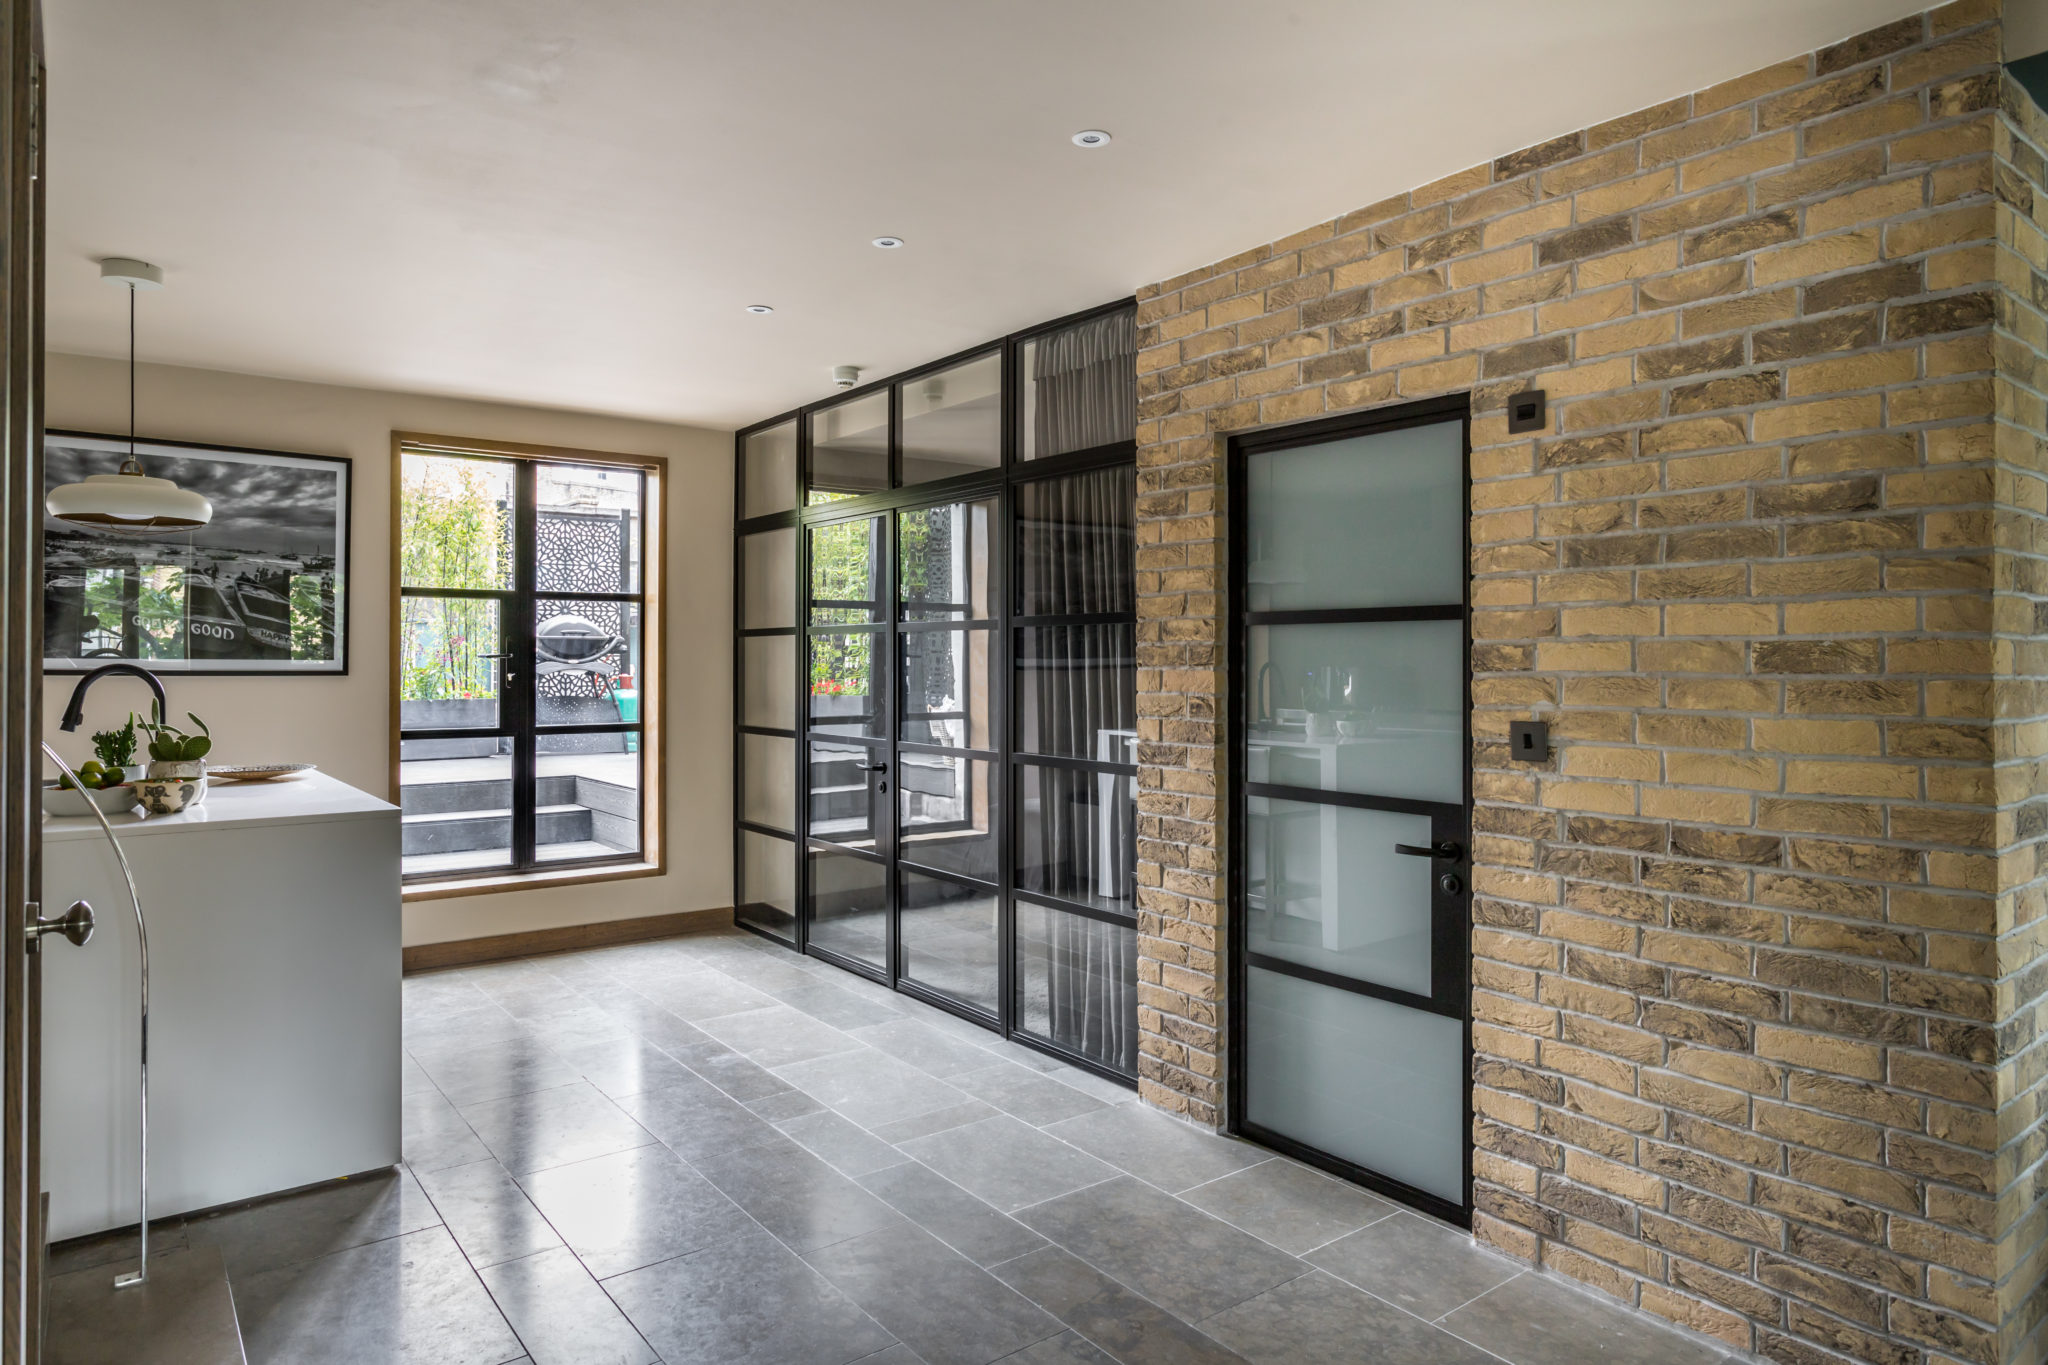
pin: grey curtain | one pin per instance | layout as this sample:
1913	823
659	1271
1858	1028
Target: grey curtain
1076	557
1084	385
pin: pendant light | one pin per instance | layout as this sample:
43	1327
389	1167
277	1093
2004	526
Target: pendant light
129	503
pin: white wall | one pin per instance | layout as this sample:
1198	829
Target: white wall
341	723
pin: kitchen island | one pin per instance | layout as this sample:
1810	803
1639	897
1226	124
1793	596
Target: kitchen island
273	915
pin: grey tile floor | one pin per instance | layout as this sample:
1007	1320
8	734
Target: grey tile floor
710	1150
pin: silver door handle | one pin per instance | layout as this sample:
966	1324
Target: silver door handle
75	924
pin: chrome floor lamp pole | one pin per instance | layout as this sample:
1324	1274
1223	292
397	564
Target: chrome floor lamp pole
141	1271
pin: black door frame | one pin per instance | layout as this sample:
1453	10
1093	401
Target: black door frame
999	483
1450	919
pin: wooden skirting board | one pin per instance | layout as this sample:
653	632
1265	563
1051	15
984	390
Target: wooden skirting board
427	957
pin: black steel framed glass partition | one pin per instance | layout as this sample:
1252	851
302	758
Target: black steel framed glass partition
935	645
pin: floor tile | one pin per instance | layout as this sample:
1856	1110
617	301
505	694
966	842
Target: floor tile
729	1071
938	1303
435	1135
472	1072
871	1087
705	996
841	1008
1068	1348
788	1104
937	1121
1007	1162
1291	1206
840	1144
621	1212
625	1065
1177	1256
663	1028
777	1036
308	1224
183	1314
696	1118
554	1127
490	1217
1032	1096
1124	1324
1535	1319
951	1214
485	1022
1320	1320
1156	1147
410	1300
924	1047
1418	1264
412	1077
112	1248
794	1195
748	1300
561	1315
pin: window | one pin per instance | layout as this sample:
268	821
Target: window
936	690
526	675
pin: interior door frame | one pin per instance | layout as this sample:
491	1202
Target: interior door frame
21	489
1451	979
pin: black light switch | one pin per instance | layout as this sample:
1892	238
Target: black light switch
1526	412
1529	741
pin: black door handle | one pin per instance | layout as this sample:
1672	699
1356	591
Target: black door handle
874	767
1446	849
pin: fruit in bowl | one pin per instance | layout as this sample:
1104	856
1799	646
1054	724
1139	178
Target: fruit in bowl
99	786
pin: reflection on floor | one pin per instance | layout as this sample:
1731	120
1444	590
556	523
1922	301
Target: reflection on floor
711	1150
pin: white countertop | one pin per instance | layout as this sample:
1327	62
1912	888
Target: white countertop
315	796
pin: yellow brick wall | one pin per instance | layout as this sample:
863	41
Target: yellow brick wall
1741	949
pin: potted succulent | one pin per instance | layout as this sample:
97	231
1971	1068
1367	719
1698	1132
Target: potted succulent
115	751
177	765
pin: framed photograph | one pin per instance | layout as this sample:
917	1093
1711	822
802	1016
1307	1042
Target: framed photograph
261	588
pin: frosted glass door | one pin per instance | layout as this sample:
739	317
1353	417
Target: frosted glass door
1351	910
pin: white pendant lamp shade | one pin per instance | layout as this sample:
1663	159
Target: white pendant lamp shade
130	502
135	504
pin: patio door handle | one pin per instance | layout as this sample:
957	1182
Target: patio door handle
874	767
1446	849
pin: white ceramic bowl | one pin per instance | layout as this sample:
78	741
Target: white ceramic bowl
62	801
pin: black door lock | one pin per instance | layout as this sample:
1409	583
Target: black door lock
1449	884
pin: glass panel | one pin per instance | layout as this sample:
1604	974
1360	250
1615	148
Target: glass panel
947	932
1077	984
447	673
1377	709
953	420
1081	386
846	792
947	810
1327	890
769	473
943	554
1372	521
766	895
454	522
587	796
1075	544
1373	1082
769	585
850	448
586	527
768	681
846	695
767	781
846	572
456	799
945	688
1076	835
1077	692
587	663
850	906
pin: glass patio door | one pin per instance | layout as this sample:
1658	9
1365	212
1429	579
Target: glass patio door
1351	908
904	859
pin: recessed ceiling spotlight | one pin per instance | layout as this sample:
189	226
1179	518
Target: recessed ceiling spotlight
1091	137
759	308
888	243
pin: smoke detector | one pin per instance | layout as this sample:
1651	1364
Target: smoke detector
845	376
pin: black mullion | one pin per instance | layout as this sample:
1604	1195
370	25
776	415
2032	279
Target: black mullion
1074	618
1086	765
1342	616
931	627
1128	919
459	732
890	696
1320	796
520	679
947	750
595	727
1002	780
635	599
474	594
1322	976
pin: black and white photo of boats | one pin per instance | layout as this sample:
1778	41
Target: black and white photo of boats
261	588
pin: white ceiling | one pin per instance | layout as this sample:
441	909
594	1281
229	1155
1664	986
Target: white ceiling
569	204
